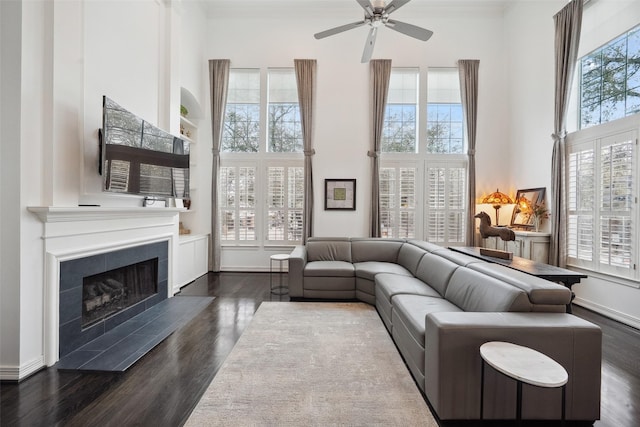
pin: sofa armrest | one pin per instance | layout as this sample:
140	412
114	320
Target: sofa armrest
453	364
297	261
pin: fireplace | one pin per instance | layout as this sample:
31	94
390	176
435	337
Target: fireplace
107	293
100	292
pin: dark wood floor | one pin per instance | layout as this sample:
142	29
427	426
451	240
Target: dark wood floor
164	386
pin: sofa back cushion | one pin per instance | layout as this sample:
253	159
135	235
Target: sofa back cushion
540	291
375	249
474	291
436	271
427	246
329	249
409	257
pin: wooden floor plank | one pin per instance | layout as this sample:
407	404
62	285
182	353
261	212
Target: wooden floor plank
163	388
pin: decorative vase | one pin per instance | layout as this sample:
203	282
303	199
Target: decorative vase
536	223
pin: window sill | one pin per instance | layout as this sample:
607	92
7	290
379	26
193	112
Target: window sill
605	277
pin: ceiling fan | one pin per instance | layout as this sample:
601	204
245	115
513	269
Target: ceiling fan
375	15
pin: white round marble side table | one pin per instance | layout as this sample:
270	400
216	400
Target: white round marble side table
524	365
280	289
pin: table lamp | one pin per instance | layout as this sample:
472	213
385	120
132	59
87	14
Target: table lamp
497	199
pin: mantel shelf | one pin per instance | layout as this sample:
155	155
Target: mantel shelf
48	214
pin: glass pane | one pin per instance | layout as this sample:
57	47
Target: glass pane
609	81
445	128
399	131
241	132
284	128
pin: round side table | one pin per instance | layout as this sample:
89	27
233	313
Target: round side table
524	365
278	288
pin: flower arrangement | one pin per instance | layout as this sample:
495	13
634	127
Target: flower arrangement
539	212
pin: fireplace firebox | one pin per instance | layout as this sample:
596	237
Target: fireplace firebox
100	292
114	290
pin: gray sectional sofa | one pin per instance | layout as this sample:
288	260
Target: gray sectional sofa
440	306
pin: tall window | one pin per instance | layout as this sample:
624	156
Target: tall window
603	215
444	112
261	176
284	126
399	134
423	170
610	80
241	133
446	174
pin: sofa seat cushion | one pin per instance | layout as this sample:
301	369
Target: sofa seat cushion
388	285
369	269
411	311
329	269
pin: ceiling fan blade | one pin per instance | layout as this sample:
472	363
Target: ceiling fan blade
395	5
368	47
409	29
337	30
368	8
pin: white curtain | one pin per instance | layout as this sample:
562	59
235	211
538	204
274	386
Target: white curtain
567	23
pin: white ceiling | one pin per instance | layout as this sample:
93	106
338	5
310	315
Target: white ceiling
215	7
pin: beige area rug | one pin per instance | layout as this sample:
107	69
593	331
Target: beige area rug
313	364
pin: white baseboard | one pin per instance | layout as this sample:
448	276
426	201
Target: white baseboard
19	373
634	322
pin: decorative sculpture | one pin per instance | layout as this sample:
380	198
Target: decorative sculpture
486	230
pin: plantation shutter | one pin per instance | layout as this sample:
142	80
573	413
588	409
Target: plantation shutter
616	171
445	207
237	195
580	238
285	203
602	204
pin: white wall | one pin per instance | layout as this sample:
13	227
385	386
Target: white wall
529	33
258	37
529	30
58	59
10	42
194	77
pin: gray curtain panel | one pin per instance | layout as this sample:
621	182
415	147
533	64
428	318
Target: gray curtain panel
567	23
380	71
306	81
219	85
468	71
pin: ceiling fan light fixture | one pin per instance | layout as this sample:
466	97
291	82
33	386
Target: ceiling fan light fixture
376	15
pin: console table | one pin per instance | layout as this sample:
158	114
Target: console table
538	269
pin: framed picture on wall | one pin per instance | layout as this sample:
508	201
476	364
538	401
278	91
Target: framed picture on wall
340	194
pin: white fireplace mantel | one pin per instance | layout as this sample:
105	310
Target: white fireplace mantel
75	232
93	213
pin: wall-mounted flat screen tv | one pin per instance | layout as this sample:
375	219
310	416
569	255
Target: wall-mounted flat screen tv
139	158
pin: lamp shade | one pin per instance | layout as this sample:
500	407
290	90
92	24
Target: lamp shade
497	199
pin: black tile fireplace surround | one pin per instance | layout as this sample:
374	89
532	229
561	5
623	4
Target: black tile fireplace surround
72	273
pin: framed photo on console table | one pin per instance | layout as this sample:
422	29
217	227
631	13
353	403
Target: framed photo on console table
340	194
525	201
